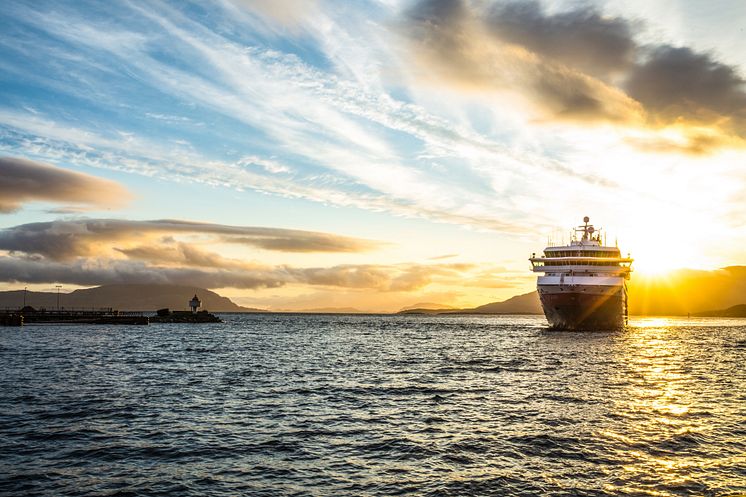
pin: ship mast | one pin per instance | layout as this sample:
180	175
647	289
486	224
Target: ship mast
586	229
588	233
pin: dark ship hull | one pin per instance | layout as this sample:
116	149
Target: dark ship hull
584	307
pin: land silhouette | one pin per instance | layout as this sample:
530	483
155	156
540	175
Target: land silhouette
124	298
684	292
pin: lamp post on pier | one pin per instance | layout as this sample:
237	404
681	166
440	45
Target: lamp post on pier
58	296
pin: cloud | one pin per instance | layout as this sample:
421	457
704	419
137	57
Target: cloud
23	181
326	135
289	13
80	252
217	273
677	83
66	239
582	38
583	66
86	272
104	251
463	46
389	278
172	253
381	277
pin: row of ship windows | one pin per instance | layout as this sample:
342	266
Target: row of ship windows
569	275
584	253
577	263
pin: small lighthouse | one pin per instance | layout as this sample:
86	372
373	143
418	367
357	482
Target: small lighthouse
195	303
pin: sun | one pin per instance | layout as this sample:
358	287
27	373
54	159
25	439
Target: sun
660	248
654	261
656	256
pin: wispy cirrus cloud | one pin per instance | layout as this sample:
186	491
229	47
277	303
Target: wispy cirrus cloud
23	181
379	149
288	13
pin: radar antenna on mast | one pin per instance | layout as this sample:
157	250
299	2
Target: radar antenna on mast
585	229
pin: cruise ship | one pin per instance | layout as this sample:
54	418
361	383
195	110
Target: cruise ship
584	284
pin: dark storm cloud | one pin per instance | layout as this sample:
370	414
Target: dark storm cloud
680	83
583	66
581	38
23	180
438	30
66	239
440	14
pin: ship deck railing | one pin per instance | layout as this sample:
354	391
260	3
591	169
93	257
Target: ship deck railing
582	259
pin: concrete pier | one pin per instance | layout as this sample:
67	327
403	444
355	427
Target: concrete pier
29	315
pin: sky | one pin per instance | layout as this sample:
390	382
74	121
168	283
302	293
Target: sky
308	154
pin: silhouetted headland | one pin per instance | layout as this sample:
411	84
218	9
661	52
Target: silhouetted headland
130	297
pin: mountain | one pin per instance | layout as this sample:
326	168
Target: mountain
125	298
425	310
430	306
331	310
736	311
681	292
687	291
528	303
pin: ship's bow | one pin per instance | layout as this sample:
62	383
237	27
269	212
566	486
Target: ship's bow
583	308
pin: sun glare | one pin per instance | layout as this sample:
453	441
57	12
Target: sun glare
651	260
657	252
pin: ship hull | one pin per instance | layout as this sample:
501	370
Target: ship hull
584	307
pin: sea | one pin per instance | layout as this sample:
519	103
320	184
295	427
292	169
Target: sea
374	405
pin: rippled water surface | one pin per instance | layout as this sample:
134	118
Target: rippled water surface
373	405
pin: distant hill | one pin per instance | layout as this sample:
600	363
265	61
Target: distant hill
527	303
678	293
423	310
332	310
687	291
125	298
426	306
737	311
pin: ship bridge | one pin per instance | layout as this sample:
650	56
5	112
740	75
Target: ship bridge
585	255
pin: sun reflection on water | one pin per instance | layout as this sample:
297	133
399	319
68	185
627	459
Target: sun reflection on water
667	403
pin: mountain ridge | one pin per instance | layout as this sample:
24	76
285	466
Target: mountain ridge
124	297
679	293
